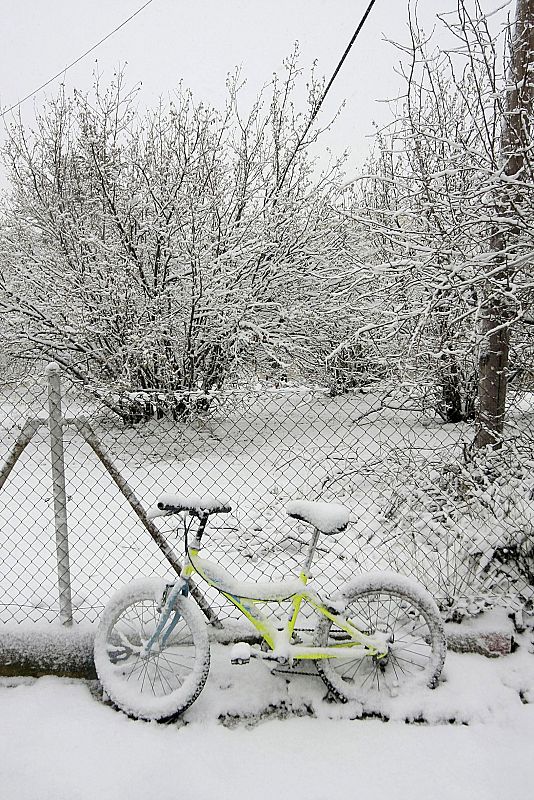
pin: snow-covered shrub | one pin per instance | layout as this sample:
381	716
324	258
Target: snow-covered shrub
175	251
472	520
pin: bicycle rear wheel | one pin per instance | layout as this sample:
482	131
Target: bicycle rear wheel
399	607
161	685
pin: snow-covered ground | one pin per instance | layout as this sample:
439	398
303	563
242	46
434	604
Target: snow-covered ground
255	734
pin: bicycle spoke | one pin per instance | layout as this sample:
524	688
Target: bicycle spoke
407	661
355	663
415	653
160	673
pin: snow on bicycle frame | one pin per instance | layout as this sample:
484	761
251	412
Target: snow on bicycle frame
325	518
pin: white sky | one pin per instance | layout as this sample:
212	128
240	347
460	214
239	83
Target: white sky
200	41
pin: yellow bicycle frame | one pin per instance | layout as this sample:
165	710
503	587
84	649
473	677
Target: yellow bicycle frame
360	644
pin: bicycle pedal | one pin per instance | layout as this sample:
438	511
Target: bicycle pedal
240	653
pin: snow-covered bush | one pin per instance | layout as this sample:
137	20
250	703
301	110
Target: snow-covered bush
174	250
472	520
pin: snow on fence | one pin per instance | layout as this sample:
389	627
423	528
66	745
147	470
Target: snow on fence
79	468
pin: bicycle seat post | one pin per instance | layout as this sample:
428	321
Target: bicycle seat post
203	517
311	550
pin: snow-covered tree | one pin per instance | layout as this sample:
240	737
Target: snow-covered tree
431	201
171	251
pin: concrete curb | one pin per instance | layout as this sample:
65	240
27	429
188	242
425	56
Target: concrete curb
63	652
69	652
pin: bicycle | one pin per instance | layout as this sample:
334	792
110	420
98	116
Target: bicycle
380	633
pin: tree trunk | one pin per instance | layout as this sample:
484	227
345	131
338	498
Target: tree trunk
495	313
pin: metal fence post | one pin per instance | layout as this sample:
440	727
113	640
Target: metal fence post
30	427
55	423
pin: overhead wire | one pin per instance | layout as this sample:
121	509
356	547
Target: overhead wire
301	138
317	108
76	61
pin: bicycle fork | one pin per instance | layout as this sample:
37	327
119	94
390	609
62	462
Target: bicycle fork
170	596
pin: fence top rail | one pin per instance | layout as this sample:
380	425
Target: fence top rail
243	390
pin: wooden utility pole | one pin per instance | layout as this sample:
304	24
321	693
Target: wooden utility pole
496	311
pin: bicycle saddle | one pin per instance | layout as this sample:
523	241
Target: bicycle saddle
194	503
326	517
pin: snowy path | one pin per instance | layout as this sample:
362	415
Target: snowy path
61	745
58	743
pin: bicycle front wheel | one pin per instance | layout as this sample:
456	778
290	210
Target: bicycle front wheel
159	685
404	611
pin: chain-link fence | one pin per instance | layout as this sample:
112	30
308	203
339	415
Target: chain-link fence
74	527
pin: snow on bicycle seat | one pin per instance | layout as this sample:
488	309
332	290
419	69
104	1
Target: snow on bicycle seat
326	517
173	503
